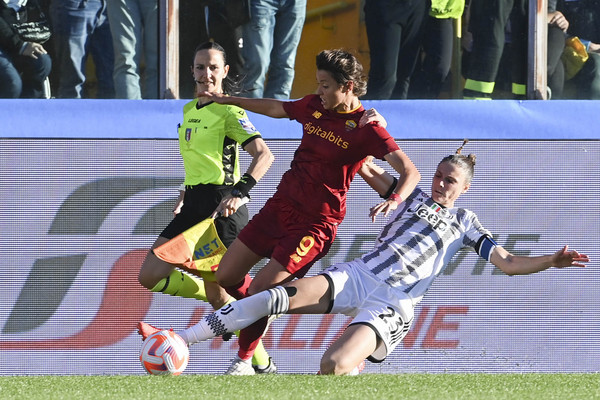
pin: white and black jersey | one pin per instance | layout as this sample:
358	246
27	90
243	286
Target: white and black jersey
420	240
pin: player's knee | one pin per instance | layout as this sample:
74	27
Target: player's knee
334	366
151	273
224	279
144	280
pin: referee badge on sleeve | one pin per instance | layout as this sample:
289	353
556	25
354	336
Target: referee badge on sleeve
247	125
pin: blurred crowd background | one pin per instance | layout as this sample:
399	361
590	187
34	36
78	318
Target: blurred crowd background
410	49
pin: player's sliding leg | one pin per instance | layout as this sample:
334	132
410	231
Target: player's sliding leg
238	315
232	317
306	296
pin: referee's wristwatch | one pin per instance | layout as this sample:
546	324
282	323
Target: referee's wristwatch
235	192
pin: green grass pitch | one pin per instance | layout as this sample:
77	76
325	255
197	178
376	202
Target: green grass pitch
284	387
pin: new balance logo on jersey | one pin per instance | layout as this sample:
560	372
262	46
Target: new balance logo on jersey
436	216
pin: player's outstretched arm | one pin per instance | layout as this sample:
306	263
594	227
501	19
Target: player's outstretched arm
269	107
521	265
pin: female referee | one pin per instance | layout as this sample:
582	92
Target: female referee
208	141
381	288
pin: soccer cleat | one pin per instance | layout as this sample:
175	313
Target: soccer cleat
269	369
146	330
227	336
240	367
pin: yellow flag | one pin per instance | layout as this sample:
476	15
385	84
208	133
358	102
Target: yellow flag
198	248
574	56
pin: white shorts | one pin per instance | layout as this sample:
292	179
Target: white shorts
358	293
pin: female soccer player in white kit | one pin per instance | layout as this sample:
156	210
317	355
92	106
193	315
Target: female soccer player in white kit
381	288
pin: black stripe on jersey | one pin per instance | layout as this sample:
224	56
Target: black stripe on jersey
432	251
388	226
386	230
228	160
406	225
410	245
419	261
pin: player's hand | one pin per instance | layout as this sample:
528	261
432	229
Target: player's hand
177	208
228	206
213	96
557	18
569	258
371	115
385	207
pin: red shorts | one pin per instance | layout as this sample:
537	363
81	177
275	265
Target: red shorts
282	232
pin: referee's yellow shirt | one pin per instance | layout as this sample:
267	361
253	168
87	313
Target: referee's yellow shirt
208	142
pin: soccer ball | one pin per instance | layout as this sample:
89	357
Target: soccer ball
164	353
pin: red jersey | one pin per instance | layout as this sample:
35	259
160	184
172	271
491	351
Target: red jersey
332	150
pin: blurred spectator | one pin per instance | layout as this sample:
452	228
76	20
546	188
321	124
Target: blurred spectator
583	17
434	63
582	75
487	23
271	40
24	66
394	30
210	20
134	29
557	28
80	27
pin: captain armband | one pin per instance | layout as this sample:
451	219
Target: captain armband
390	190
485	246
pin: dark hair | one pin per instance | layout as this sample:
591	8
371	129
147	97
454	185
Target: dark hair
231	85
344	67
465	162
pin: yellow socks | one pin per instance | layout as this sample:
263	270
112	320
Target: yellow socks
179	283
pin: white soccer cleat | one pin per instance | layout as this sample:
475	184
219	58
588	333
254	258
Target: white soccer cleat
240	367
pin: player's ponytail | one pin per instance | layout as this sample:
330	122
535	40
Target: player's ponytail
465	162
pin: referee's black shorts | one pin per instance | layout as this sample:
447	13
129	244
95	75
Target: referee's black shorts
199	203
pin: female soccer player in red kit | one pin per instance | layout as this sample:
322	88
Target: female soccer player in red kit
297	226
